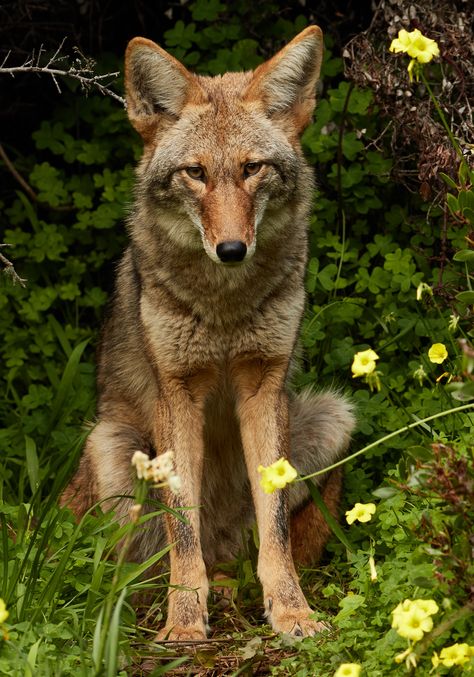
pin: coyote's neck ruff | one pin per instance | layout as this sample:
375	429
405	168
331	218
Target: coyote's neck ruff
196	351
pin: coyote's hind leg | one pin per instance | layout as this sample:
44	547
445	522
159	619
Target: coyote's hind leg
106	476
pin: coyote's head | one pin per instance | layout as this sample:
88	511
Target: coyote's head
222	156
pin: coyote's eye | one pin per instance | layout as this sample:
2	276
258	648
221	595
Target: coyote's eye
195	172
252	168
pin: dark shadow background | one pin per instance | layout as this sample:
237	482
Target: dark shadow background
101	28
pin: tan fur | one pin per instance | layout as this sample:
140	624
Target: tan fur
196	353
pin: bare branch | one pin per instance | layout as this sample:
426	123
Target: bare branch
55	56
13	170
81	70
9	268
26	186
6	58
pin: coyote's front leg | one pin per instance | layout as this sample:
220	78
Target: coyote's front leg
263	410
180	428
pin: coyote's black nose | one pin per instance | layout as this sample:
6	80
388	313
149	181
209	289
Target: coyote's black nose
232	250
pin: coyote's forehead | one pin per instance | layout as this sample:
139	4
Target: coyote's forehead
224	133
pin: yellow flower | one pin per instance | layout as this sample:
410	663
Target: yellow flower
453	323
416	45
420	374
457	654
277	475
399	610
141	461
348	670
364	363
413	624
3	611
159	469
372	569
422	49
402	43
373	381
412	618
428	606
437	353
423	288
408	656
361	511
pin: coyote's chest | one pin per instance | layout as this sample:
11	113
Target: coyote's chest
178	338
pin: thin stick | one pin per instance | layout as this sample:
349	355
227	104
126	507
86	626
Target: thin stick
92	81
12	169
9	268
26	186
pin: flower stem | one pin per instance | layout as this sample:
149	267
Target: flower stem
385	438
442	116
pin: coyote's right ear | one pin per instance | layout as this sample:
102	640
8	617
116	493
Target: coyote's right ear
156	85
286	83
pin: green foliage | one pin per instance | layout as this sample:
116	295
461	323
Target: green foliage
58	581
420	551
371	245
62	244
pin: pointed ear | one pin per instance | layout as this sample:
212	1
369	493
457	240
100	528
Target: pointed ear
286	83
156	85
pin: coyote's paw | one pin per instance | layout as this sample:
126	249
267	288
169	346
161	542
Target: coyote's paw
295	622
182	633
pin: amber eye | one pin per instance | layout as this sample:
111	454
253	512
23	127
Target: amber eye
196	173
252	168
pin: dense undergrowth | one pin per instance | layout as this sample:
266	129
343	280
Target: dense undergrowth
372	244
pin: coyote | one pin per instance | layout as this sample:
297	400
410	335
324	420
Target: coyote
197	351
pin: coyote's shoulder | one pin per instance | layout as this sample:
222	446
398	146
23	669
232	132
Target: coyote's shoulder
196	352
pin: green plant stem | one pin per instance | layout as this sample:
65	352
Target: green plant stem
140	495
110	601
343	251
442	118
330	520
384	439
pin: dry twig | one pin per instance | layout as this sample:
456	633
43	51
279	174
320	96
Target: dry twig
82	70
9	268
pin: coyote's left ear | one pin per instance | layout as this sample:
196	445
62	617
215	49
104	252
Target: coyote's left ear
286	83
157	87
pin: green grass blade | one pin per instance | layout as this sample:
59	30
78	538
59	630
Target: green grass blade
331	522
30	210
60	335
31	660
56	580
62	468
96	641
94	592
139	570
65	385
5	551
32	463
163	669
113	637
